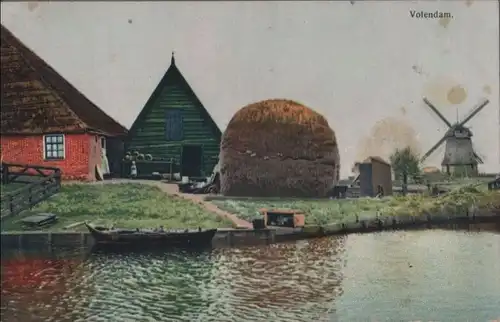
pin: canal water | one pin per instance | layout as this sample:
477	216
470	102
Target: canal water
433	275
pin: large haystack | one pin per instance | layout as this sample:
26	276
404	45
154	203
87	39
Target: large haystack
278	148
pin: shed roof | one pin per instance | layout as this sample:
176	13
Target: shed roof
36	99
376	159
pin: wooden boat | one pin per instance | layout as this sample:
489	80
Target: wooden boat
168	238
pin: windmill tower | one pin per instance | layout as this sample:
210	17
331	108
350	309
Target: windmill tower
459	157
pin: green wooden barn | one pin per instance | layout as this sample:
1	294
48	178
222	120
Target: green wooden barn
174	125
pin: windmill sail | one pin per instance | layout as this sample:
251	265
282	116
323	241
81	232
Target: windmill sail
435	110
426	155
474	111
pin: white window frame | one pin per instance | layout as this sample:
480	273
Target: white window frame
44	144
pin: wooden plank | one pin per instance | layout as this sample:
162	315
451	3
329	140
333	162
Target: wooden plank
73	225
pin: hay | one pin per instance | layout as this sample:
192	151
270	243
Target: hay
278	148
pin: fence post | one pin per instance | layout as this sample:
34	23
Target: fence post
58	179
30	196
49	241
5	173
11	204
171	166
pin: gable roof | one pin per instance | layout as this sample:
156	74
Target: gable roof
174	76
36	99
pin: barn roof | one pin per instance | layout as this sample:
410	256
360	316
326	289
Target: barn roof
174	76
35	99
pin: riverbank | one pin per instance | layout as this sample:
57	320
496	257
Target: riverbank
128	205
131	205
147	204
324	211
47	241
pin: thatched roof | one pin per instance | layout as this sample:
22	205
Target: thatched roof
279	111
36	99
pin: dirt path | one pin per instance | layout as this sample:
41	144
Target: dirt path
173	190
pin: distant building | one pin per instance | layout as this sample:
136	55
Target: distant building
47	121
375	173
174	125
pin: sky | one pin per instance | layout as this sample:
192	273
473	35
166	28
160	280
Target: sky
364	65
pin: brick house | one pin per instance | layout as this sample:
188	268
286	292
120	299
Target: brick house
47	121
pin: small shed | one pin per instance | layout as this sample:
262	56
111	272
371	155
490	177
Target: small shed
174	126
375	174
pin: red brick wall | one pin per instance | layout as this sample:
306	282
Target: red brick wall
29	150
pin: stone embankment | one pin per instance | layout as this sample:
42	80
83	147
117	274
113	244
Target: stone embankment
475	220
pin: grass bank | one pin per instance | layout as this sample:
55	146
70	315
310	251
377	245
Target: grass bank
321	212
125	205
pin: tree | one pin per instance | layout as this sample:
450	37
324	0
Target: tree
405	161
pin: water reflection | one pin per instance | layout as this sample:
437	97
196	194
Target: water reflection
40	288
392	276
438	275
298	281
153	285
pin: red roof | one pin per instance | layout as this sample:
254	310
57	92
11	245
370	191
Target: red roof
36	99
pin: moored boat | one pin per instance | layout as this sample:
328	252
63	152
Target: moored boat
164	238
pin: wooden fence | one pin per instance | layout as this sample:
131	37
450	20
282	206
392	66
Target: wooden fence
38	183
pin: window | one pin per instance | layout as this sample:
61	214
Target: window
173	125
53	147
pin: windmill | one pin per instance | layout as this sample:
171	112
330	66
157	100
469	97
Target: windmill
459	156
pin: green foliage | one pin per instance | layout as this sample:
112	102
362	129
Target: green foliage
405	160
124	205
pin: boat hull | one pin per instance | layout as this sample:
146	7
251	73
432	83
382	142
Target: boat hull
145	240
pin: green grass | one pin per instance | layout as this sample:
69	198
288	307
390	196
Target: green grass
124	205
321	212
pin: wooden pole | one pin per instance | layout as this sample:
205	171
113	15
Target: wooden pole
405	183
5	174
171	167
